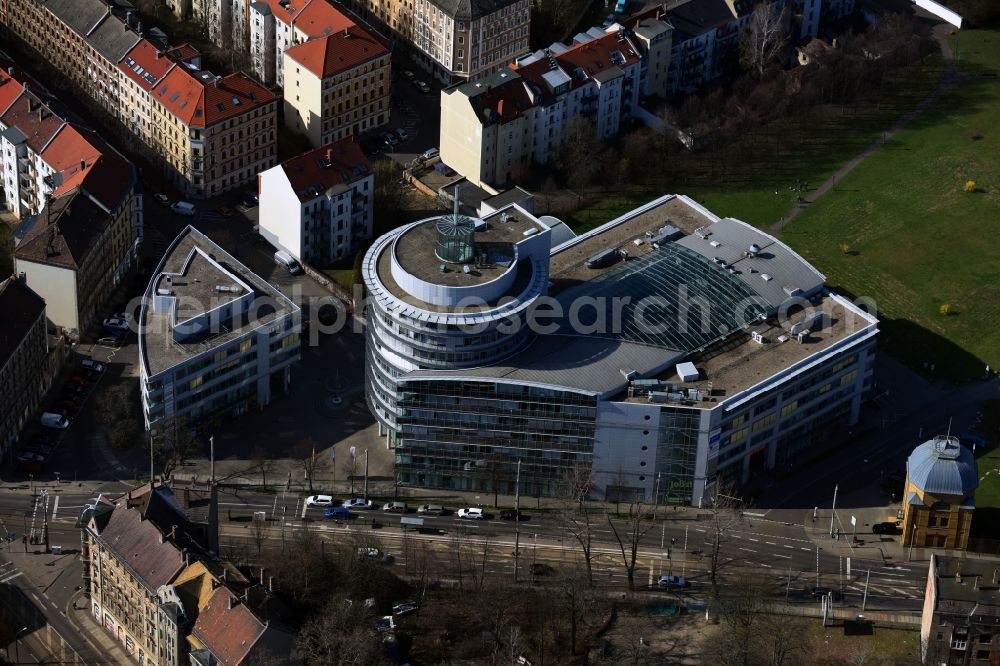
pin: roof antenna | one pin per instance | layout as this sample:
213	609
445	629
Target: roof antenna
948	436
456	202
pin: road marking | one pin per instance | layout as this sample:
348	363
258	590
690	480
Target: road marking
804	548
787	557
762	564
752	539
10	577
698	529
749	550
770	543
55	507
737	536
787	546
905	594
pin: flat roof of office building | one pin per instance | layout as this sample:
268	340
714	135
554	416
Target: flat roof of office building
196	278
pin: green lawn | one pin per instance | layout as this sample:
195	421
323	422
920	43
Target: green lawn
917	239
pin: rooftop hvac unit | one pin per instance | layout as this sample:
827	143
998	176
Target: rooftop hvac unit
602	259
530	232
687	372
807	323
757	337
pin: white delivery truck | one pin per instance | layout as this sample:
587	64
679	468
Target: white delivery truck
288	261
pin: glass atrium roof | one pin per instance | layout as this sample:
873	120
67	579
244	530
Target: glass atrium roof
672	298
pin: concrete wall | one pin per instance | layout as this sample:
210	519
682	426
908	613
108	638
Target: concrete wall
462	138
58	287
280	219
625	438
303	100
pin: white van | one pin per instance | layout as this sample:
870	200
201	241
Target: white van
430	153
183	208
282	258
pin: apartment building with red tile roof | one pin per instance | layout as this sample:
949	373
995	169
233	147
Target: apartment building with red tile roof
337	86
208	133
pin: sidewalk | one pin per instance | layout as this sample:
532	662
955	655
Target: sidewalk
100	640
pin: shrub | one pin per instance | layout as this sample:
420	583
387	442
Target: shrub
945	309
970	186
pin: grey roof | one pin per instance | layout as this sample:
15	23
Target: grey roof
513	195
589	365
699	16
787	270
942	466
79	15
112	39
609	74
561	233
468	10
14	135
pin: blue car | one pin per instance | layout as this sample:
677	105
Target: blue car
337	512
620	6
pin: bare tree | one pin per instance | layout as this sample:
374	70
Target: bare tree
117	415
258	532
174	443
765	39
575	601
727	513
636	529
578	481
343	634
749	631
262	462
311	461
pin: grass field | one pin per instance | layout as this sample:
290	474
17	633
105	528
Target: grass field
918	240
753	179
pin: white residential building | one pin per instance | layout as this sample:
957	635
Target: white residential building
494	127
215	339
318	206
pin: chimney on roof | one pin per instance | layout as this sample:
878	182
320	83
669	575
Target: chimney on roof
232	602
10	71
83	164
270	583
347	33
223	574
329	154
500	108
262	576
975	586
41	113
159	54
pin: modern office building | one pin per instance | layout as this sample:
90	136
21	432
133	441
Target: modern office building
318	206
495	127
24	347
960	623
668	349
939	495
215	340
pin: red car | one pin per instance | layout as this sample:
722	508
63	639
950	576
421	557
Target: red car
77	379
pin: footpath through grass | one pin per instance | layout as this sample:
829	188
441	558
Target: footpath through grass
758	178
918	240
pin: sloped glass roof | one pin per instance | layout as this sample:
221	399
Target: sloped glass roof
672	298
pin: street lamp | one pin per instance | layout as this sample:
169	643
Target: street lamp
17	647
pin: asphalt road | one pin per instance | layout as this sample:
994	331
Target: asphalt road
779	552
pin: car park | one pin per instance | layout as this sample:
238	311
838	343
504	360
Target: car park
91	364
54	421
358	503
319	500
471	513
394	507
512	514
885	528
430	509
337	512
402	134
673	581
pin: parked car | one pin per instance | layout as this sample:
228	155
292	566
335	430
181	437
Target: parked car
421	86
67	406
408	74
402	134
319	500
394	507
54	421
113	341
338	512
184	208
430	153
390	138
405	608
224	211
90	375
91	364
818	592
31	462
512	514
471	513
115	324
672	581
358	503
372	553
885	528
78	379
431	509
162	199
282	258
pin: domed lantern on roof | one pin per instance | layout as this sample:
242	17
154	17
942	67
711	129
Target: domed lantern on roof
939	494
